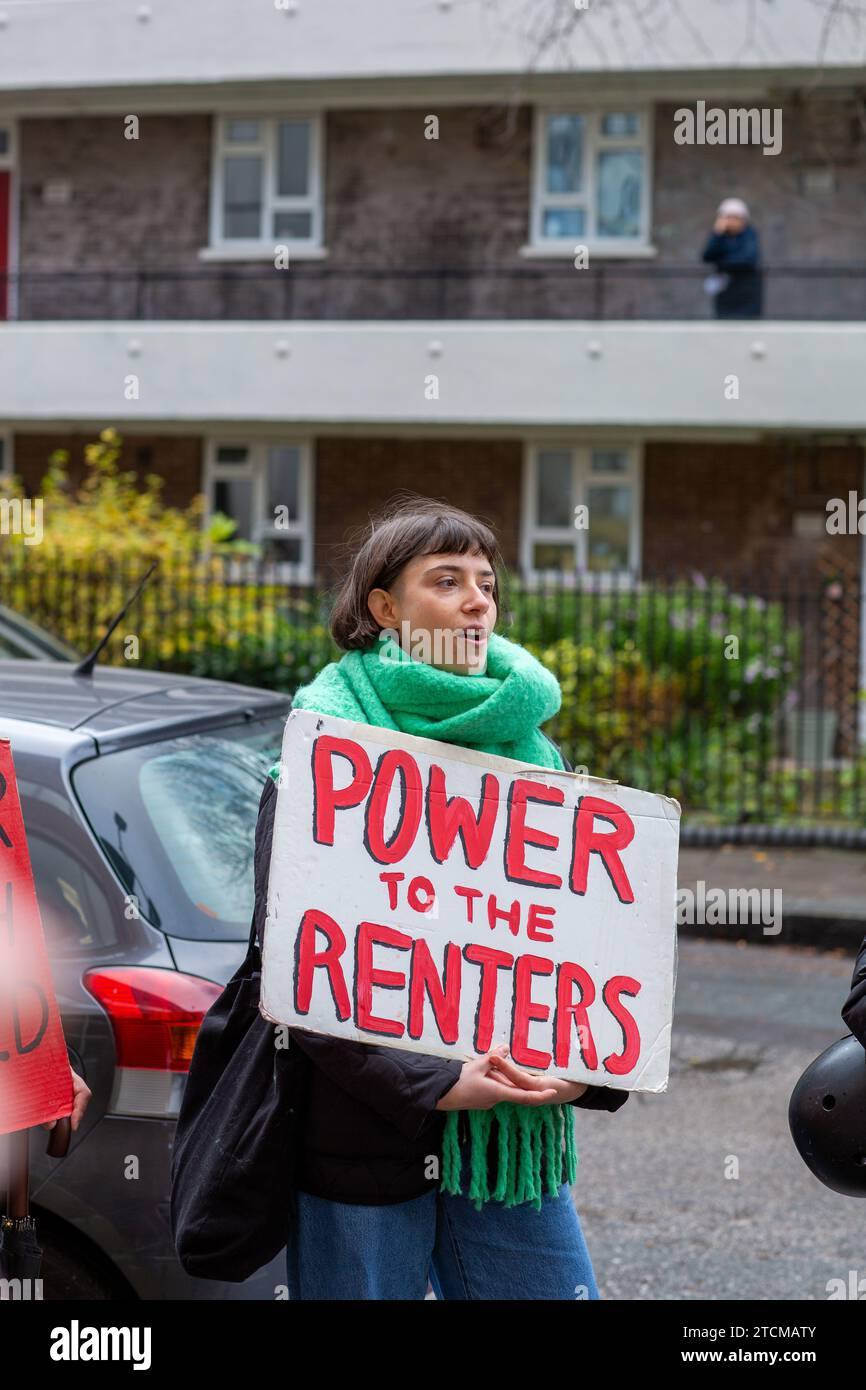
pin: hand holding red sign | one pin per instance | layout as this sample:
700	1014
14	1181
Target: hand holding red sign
82	1096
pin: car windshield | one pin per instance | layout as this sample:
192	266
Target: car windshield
176	821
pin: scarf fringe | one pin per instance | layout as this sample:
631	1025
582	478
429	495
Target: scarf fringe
523	1139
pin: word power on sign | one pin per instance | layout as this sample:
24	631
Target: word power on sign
428	897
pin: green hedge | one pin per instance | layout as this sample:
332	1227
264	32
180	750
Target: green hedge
649	695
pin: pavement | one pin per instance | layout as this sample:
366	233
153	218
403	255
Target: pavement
699	1192
805	896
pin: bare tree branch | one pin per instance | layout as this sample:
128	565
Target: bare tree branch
834	9
695	33
550	30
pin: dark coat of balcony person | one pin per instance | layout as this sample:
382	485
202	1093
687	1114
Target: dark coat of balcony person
733	248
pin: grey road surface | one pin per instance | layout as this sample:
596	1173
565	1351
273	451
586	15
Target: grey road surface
661	1218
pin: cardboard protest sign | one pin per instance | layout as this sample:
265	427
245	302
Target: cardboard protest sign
35	1075
432	898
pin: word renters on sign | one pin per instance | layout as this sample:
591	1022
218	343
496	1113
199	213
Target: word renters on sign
433	898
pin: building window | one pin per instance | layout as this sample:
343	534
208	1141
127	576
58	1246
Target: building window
267	182
591	178
5	454
266	487
74	911
581	511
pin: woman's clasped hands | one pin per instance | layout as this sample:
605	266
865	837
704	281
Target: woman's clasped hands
490	1080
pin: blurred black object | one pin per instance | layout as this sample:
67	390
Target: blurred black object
20	1251
20	1254
827	1117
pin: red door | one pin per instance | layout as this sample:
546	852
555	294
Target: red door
5	181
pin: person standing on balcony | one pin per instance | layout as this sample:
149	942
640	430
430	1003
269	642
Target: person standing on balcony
374	1216
733	248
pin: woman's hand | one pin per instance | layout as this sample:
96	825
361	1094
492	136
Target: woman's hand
565	1090
487	1081
81	1093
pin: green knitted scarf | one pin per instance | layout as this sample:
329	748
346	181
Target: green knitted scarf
498	712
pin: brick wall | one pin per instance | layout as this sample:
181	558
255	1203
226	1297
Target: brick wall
135	204
729	509
355	477
794	226
709	507
714	506
176	457
394	199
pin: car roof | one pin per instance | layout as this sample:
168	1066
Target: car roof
118	706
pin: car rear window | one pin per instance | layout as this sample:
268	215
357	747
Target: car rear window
176	821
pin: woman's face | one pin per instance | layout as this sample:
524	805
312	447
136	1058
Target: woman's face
442	610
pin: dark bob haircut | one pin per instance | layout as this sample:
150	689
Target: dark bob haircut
408	526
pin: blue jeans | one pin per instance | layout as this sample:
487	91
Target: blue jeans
339	1250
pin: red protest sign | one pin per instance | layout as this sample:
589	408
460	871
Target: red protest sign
35	1076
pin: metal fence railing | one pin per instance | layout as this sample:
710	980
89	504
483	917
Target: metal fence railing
738	694
308	291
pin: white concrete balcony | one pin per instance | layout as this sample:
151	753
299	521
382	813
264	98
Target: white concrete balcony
110	56
755	375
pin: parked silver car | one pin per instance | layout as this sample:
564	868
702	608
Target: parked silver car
21	638
140	793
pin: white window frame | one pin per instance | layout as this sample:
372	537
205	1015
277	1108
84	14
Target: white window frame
532	533
255	469
7	466
258	248
594	142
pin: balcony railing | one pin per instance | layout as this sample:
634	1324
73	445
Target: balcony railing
308	291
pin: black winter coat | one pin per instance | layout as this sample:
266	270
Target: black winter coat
854	1008
738	257
370	1122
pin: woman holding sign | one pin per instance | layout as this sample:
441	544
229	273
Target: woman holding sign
413	1165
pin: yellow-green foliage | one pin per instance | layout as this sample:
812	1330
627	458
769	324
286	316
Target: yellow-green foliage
611	700
112	510
207	609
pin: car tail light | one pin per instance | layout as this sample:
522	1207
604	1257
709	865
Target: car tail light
155	1015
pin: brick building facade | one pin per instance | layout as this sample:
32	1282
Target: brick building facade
454	211
710	507
310	196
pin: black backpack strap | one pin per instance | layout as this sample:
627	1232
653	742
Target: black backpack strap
262	863
568	767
